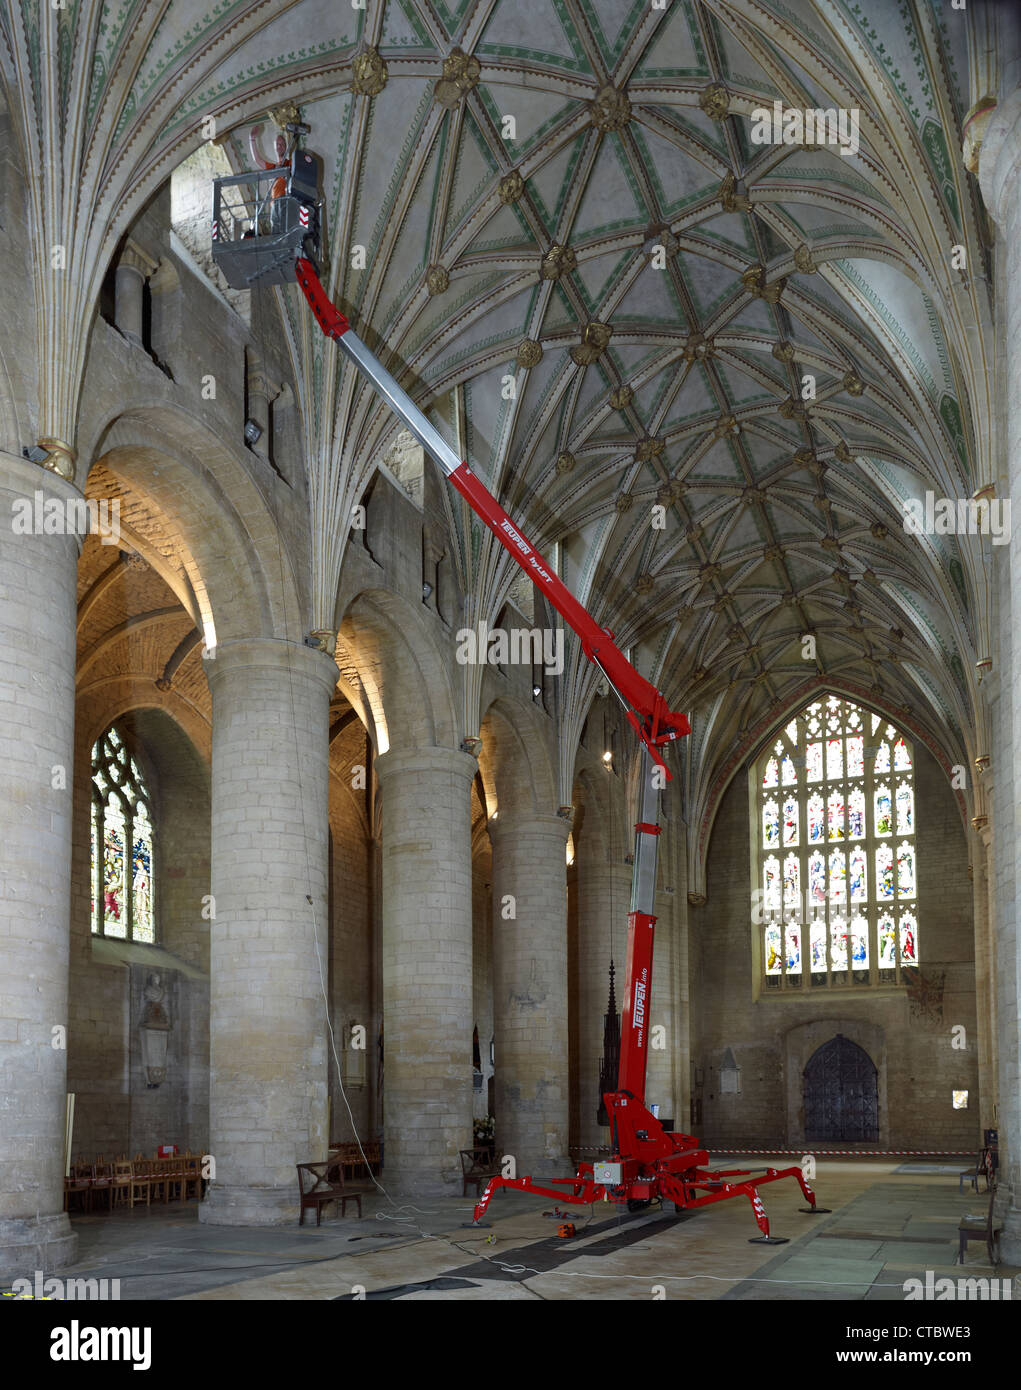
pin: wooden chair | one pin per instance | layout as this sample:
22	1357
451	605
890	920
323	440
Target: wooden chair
120	1185
141	1184
191	1176
982	1169
319	1183
78	1185
173	1168
102	1183
477	1167
159	1178
986	1228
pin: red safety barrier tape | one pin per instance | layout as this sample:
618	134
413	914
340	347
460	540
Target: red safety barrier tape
832	1153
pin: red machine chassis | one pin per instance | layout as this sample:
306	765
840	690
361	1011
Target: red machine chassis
655	1164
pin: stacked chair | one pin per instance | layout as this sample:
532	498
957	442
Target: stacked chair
140	1181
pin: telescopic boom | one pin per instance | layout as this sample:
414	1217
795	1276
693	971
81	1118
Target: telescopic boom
647	710
262	238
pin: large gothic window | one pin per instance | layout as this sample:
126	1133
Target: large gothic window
122	839
835	860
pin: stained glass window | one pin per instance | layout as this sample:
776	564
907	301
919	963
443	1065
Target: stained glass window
859	943
908	932
817	878
815	818
771	883
814	762
859	876
884	871
856	757
834	759
773	962
791	881
818	929
905	871
123	897
887	943
884	825
856	814
836	856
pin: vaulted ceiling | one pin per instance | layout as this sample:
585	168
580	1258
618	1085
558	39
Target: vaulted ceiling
657	286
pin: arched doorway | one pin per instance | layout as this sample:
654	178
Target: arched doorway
841	1093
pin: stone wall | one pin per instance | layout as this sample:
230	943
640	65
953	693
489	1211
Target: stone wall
772	1039
355	1003
115	1110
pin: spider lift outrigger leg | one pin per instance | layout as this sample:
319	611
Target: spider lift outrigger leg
647	1162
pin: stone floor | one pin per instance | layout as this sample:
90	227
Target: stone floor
884	1227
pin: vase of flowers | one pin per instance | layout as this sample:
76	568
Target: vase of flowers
484	1132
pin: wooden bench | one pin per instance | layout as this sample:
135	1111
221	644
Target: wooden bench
986	1228
477	1167
319	1183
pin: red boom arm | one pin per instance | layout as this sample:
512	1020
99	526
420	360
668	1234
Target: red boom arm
647	1161
647	710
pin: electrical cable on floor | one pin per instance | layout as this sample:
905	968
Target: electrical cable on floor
513	1271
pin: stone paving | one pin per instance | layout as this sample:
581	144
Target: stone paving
882	1229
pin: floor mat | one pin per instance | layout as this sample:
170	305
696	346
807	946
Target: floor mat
915	1170
442	1283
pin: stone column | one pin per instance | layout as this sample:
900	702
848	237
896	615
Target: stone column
38	575
1000	176
482	965
130	275
530	990
427	967
985	976
604	895
268	1071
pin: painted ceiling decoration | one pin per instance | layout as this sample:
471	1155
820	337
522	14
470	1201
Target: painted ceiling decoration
566	194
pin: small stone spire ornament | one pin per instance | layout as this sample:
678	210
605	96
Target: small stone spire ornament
609	1065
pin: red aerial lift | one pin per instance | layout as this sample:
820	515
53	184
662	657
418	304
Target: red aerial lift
262	237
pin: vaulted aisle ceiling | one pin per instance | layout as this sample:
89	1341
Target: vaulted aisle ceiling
536	256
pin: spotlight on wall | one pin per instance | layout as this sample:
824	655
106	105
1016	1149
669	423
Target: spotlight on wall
34	454
427	589
253	432
607	757
536	691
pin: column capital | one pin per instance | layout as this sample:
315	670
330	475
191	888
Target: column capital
999	165
55	474
269	654
137	258
439	760
514	822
